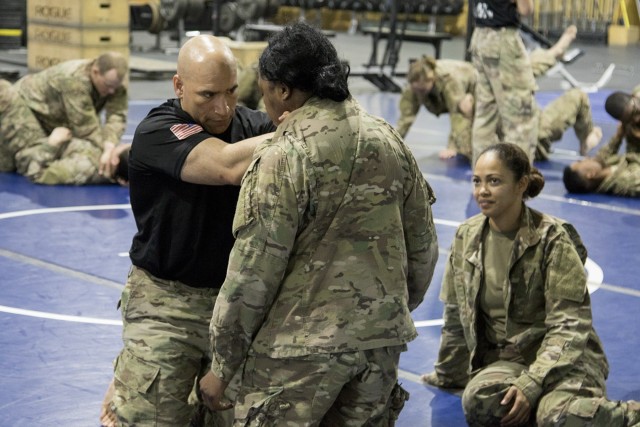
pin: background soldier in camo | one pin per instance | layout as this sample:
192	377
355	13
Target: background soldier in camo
50	125
335	246
504	97
617	174
625	108
447	86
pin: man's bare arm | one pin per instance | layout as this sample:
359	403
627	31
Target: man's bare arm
215	162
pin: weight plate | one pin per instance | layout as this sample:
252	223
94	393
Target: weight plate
195	9
228	17
172	10
246	9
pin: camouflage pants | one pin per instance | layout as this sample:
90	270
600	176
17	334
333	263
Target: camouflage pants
572	108
19	127
504	92
75	163
335	389
541	61
166	351
576	401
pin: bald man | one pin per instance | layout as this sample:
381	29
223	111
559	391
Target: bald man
185	165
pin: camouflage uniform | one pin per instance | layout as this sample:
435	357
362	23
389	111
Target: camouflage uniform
19	128
145	303
551	351
625	176
75	163
335	245
572	108
59	96
454	79
504	92
629	131
541	61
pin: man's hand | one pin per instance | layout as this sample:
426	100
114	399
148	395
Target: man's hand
212	390
107	167
283	116
520	408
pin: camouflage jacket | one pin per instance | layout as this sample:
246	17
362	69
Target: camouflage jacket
548	307
63	95
624	179
629	131
335	241
454	79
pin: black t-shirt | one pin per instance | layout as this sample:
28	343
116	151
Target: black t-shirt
184	230
495	13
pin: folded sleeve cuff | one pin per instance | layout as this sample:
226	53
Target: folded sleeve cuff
529	387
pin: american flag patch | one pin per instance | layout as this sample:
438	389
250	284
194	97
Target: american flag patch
185	130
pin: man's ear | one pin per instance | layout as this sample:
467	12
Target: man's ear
177	85
95	73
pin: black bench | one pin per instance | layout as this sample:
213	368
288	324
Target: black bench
434	38
391	53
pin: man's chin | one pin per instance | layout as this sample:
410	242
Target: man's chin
218	127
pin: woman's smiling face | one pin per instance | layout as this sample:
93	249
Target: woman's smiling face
498	195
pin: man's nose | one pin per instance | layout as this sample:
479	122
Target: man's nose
221	106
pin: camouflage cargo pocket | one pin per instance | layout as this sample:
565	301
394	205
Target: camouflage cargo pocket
584	408
134	396
136	378
396	402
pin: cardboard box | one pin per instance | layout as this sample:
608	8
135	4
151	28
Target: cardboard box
41	55
619	35
246	52
79	12
86	36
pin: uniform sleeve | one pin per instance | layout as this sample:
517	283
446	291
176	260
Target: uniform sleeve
568	318
625	180
613	146
420	237
81	113
452	93
460	135
272	200
453	355
115	117
409	106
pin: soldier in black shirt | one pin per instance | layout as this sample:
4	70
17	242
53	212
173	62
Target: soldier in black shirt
186	161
